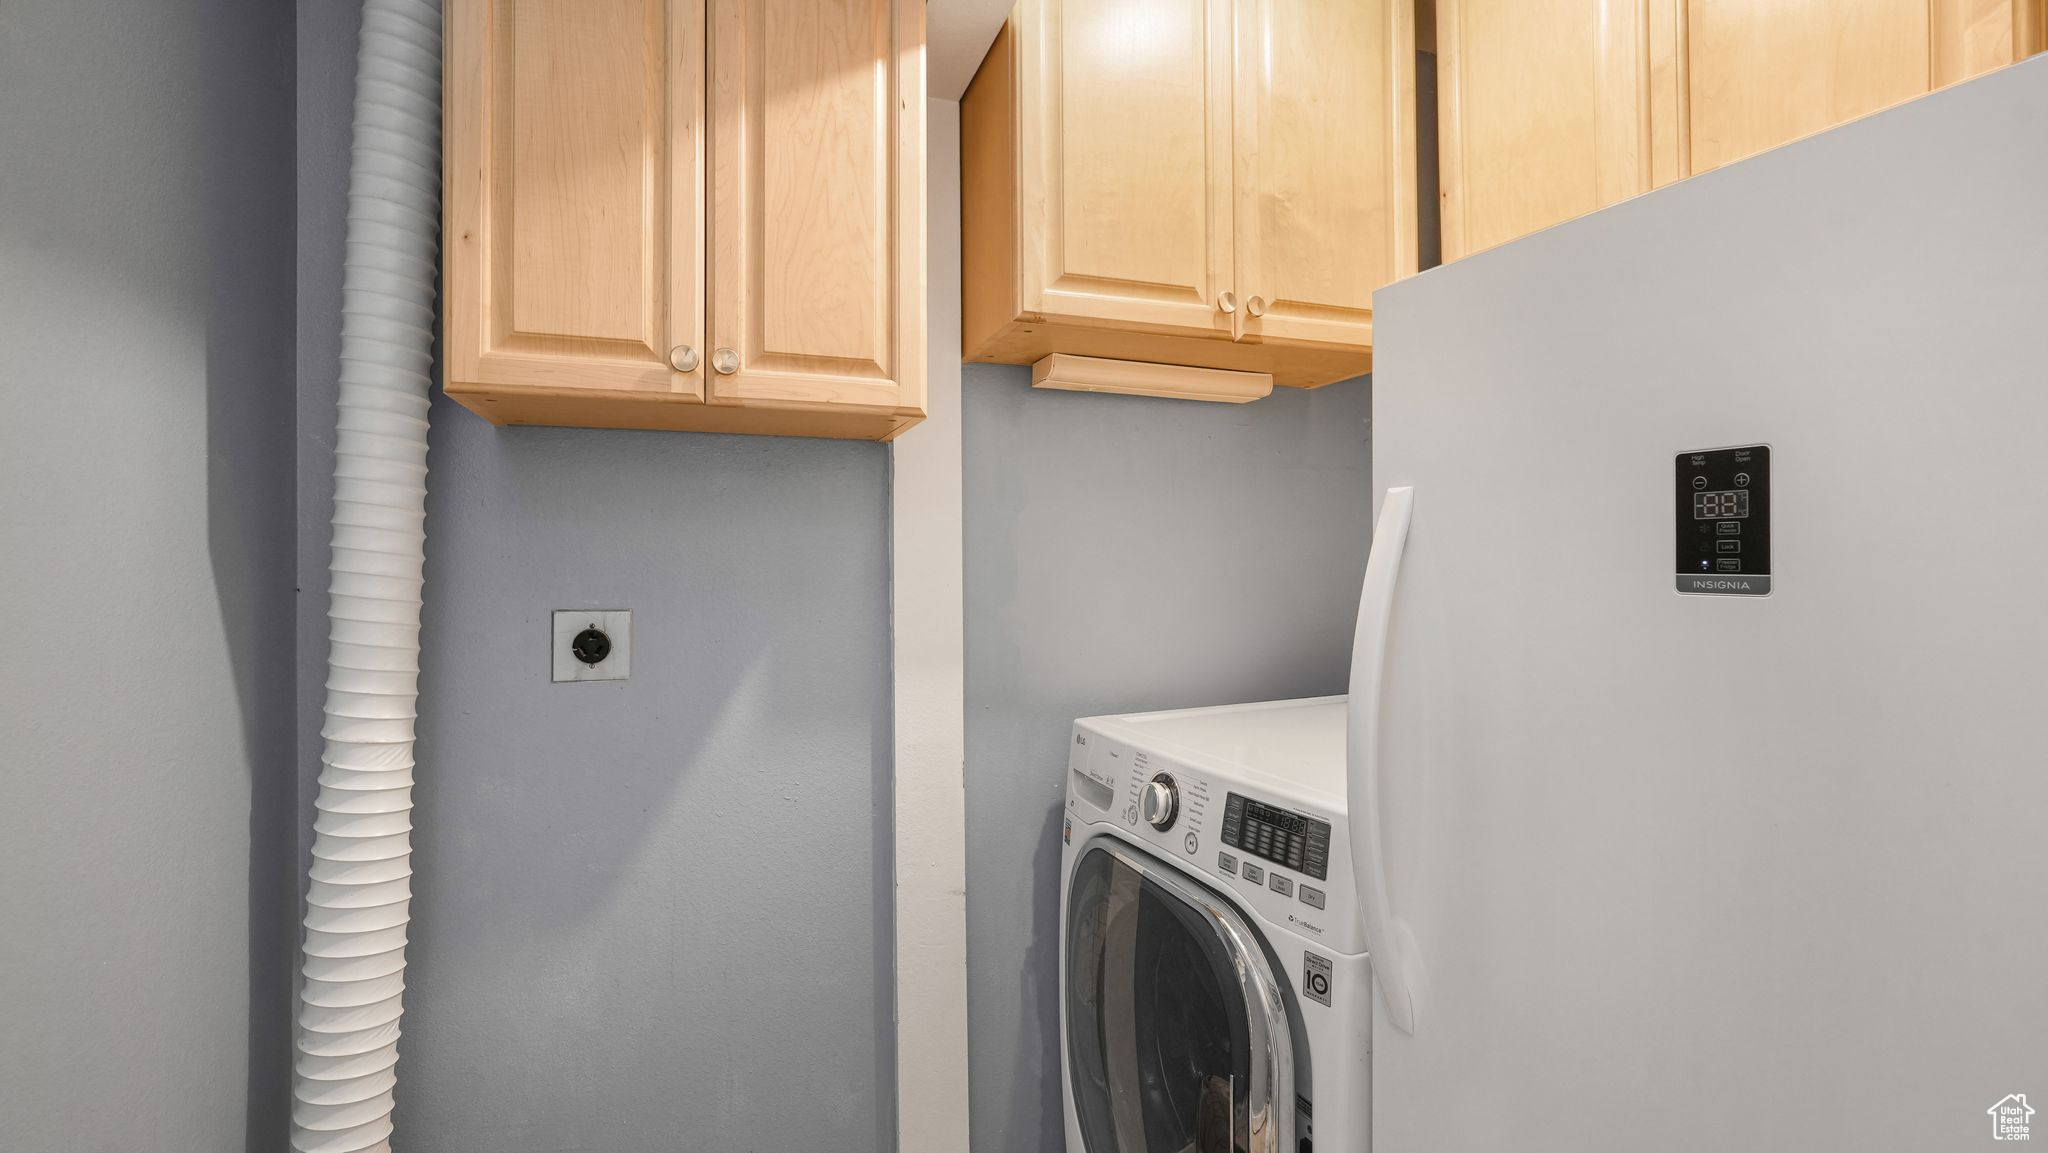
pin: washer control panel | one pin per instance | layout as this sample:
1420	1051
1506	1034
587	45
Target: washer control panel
1723	521
1286	859
1297	840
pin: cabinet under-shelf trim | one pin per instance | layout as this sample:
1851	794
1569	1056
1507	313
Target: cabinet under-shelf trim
1137	378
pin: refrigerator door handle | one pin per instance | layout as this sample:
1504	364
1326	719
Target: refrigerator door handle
1387	937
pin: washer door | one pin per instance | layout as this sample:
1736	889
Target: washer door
1177	1032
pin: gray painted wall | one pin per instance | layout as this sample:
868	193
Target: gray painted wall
652	914
655	913
145	555
1124	554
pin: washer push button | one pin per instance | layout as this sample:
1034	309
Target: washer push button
1281	885
1226	862
1254	874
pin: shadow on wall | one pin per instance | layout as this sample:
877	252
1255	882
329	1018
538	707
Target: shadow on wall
146	317
247	175
1124	554
1038	986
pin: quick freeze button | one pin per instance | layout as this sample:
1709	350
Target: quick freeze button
1729	528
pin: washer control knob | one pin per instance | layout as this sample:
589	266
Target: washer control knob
1159	802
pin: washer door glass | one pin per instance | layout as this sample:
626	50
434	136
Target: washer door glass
1170	1015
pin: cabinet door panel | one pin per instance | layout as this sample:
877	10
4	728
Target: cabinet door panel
575	198
1763	75
1545	113
1325	194
817	215
1968	37
1552	108
1126	146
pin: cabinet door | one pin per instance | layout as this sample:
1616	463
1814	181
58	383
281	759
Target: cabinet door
1552	108
817	211
1325	182
1759	76
1545	113
1125	173
1970	37
575	198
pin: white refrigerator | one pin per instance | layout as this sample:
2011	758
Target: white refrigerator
1699	746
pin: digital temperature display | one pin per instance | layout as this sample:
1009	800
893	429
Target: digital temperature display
1730	505
1722	518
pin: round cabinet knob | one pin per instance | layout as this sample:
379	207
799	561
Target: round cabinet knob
683	358
1255	307
1226	302
1159	803
726	361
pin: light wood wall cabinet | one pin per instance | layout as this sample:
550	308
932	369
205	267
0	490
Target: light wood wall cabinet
687	214
1215	183
1548	109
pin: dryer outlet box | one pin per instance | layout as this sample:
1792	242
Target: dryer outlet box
616	662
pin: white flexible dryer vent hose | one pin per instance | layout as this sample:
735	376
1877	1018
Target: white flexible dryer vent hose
358	902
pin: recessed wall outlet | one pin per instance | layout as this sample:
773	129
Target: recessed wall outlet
592	644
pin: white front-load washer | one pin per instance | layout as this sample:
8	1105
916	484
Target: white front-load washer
1214	988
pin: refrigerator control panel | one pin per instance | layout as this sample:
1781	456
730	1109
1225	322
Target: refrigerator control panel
1724	521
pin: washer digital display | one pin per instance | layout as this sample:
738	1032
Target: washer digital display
1299	842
